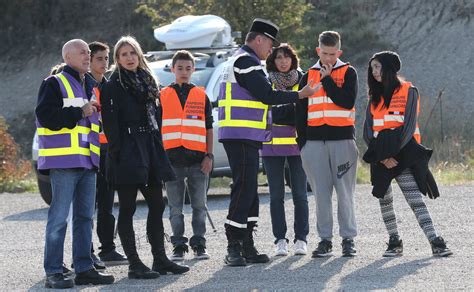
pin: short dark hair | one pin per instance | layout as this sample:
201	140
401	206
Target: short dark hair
182	55
96	47
330	38
287	50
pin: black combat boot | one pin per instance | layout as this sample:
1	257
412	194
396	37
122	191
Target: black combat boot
161	263
249	251
234	256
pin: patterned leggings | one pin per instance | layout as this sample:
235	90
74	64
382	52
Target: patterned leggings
414	197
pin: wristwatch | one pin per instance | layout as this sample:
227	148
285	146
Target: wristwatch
210	155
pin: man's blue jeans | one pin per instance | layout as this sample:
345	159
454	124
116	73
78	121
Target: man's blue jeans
275	169
76	186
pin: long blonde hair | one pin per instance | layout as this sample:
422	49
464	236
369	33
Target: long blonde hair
142	63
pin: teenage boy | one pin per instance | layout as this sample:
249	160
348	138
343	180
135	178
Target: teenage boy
187	139
104	192
326	136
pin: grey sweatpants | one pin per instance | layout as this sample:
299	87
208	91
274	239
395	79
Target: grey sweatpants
332	165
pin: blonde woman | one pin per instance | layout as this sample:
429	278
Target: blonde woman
137	160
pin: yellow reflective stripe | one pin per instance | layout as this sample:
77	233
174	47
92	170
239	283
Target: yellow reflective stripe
229	103
75	130
282	141
296	87
67	86
228	98
94	149
64	151
243	124
95	128
243	103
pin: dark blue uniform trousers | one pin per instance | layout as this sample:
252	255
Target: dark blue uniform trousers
244	203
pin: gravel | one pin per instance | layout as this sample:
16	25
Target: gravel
22	225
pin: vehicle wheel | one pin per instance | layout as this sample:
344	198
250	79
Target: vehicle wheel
45	191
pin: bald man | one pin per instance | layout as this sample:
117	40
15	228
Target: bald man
67	126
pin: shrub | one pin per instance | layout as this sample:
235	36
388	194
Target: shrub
12	168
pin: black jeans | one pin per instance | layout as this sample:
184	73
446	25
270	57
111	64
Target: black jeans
156	206
105	204
244	203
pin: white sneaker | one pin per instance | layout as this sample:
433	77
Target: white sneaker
281	248
300	248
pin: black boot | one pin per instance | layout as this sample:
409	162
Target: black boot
161	263
249	251
136	268
234	254
234	247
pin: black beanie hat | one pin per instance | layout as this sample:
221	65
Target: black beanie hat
389	60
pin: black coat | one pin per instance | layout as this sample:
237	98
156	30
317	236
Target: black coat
413	156
134	157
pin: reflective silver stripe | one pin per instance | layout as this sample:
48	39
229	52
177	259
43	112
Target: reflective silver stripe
236	224
194	123
171	136
339	114
315	115
247	70
378	122
252	219
417	131
75	102
193	137
171	122
394	118
331	114
186	122
315	100
319	100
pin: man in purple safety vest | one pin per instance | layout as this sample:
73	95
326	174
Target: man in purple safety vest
68	137
244	121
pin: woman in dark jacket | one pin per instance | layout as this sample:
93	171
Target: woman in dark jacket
282	67
137	160
393	108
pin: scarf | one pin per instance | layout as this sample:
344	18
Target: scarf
143	87
283	80
140	84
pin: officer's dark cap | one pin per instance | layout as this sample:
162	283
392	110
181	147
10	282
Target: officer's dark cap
267	28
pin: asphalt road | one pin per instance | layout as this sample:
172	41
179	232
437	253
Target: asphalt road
22	225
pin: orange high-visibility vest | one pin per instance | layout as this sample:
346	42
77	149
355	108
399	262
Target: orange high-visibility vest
184	127
321	109
393	116
96	93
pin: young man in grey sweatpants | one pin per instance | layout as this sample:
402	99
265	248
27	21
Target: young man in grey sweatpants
325	125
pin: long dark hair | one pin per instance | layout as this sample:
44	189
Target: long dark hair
391	81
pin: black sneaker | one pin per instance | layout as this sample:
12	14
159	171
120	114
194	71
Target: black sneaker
113	258
66	272
178	252
324	249
58	281
200	253
395	247
348	248
98	264
93	277
439	248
